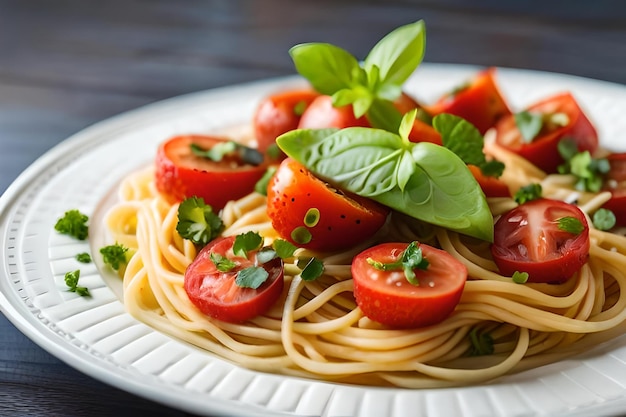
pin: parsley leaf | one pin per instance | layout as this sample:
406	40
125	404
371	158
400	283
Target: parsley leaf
197	222
529	124
71	280
312	268
222	263
410	259
528	193
462	138
283	248
83	257
114	255
589	172
220	150
570	224
604	219
73	223
252	277
247	242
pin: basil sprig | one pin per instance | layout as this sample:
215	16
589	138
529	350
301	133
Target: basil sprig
423	180
371	86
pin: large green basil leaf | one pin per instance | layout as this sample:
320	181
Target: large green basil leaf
328	68
425	181
399	53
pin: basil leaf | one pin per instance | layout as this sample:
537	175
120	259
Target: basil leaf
383	114
247	242
423	180
465	140
327	67
571	225
398	54
312	269
252	277
283	248
529	125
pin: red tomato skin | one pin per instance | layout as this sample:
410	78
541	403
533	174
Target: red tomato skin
322	114
228	302
616	184
401	304
280	113
179	174
480	103
491	186
543	151
553	256
344	220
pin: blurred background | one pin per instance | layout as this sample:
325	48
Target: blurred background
66	64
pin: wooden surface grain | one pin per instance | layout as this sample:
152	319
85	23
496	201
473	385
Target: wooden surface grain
67	64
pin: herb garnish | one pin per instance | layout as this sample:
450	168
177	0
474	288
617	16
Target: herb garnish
482	343
528	193
220	150
589	172
71	280
73	223
570	224
114	255
604	219
410	259
197	222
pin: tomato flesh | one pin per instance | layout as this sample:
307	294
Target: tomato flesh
543	150
280	113
342	220
528	239
181	174
322	114
479	102
491	186
616	184
216	294
388	298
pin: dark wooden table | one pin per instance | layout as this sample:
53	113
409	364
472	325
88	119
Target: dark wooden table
66	64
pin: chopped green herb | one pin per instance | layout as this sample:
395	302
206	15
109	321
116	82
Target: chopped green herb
604	219
220	150
482	343
283	248
261	185
528	193
410	259
71	280
265	255
312	268
252	277
299	108
529	124
520	277
197	222
84	258
73	223
589	172
570	224
247	242
114	255
222	263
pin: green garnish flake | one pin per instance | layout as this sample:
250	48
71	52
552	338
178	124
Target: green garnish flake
261	185
301	235
222	149
312	268
604	219
529	124
410	259
462	138
222	263
283	248
247	242
252	277
114	255
312	217
528	193
482	343
588	171
299	108
71	280
83	257
197	222
571	225
73	223
520	277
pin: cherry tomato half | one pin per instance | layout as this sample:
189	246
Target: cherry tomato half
388	298
479	102
528	239
543	150
322	114
279	113
216	294
616	184
491	186
181	174
311	214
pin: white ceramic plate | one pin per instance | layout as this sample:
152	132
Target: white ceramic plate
96	336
